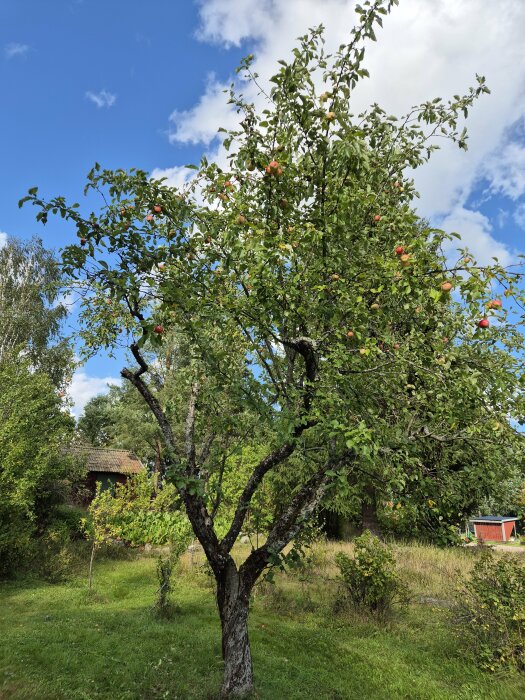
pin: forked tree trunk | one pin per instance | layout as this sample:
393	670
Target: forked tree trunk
234	603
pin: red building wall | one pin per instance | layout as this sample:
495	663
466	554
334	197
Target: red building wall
488	531
509	527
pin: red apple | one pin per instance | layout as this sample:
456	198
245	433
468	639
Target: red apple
228	184
149	217
350	334
484	323
494	304
377	218
158	329
400	250
157	209
273	168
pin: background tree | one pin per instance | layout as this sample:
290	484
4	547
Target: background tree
291	280
31	308
34	474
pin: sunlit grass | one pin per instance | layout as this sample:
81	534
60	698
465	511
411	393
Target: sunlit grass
56	642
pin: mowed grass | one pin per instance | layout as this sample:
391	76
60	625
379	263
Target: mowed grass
58	643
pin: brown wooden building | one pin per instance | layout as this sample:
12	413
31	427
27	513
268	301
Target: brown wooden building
106	466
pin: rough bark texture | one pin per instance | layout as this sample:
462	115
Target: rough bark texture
233	599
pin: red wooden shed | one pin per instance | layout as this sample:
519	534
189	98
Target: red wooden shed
497	528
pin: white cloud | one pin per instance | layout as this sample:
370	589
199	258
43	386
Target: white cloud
519	215
15	49
200	124
476	235
177	177
83	388
505	170
102	98
3	239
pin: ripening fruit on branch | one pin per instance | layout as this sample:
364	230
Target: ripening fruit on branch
484	323
405	259
494	304
446	287
83	241
350	334
157	209
330	116
324	96
158	329
377	218
228	184
273	168
374	307
336	277
149	217
241	220
161	265
399	250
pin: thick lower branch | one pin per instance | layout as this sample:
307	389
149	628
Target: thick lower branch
291	521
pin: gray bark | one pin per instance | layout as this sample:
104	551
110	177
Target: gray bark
234	601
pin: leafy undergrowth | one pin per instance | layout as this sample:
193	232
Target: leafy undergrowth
58	643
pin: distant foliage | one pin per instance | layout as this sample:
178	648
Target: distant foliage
490	612
34	475
369	578
138	514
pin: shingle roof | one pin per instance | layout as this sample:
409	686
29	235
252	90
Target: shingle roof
102	459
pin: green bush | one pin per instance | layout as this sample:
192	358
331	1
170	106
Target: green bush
34	474
369	579
490	612
138	514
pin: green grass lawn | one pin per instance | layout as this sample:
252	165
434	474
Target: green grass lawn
56	643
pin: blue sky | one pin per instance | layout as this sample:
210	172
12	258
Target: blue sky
129	83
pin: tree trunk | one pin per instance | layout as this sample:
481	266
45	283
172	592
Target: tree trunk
234	603
369	512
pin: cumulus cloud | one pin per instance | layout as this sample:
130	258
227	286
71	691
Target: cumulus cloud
15	49
177	177
200	124
84	387
476	235
102	98
3	239
505	170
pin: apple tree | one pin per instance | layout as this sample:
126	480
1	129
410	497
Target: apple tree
292	279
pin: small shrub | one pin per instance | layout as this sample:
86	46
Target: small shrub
164	607
369	578
490	612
